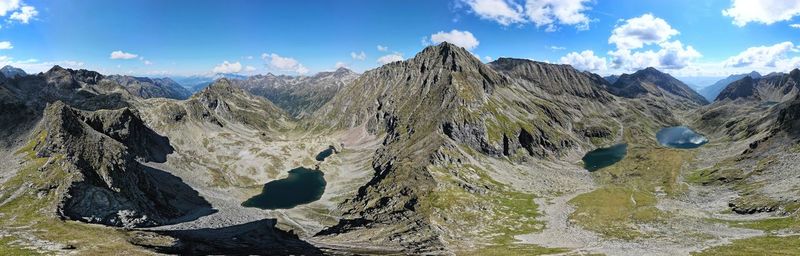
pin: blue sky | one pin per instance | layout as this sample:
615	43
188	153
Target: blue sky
158	38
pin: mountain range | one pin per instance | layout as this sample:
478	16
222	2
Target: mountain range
437	154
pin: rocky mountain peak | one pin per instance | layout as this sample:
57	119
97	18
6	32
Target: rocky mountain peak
775	87
450	55
651	81
70	79
12	72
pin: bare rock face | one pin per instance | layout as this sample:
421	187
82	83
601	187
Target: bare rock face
789	117
106	185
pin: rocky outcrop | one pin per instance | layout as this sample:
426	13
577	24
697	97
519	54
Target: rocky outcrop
105	183
789	117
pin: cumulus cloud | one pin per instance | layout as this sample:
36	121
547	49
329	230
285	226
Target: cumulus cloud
761	11
551	12
762	56
382	48
120	55
249	69
796	25
646	30
285	64
488	58
547	13
358	56
643	30
7	6
227	67
386	59
19	11
671	55
24	14
461	38
5	45
585	60
501	11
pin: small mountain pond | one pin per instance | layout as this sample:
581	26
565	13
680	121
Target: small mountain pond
302	186
604	157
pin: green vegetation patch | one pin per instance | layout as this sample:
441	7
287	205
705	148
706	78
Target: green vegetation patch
474	206
9	247
765	245
627	197
616	211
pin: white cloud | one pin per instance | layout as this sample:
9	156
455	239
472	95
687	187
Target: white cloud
488	58
284	63
227	67
501	11
7	6
340	64
249	68
147	62
762	56
120	55
383	60
5	45
762	11
557	48
551	12
671	55
586	61
643	30
358	56
25	14
796	25
383	48
461	38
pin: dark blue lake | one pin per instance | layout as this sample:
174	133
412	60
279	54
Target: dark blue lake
604	157
301	187
325	154
680	137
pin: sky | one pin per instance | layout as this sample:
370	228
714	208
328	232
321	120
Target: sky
181	38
